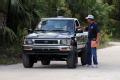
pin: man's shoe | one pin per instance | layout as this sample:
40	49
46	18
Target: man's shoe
90	66
95	66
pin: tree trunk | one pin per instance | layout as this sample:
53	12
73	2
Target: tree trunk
2	20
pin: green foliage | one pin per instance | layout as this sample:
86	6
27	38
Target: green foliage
116	11
110	2
21	12
10	55
115	18
7	37
80	8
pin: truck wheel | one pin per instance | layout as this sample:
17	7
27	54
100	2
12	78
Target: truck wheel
45	62
72	59
84	56
27	61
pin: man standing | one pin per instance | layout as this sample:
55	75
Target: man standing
93	35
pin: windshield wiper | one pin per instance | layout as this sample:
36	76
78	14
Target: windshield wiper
52	30
40	30
59	30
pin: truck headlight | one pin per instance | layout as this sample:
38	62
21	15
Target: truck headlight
65	42
28	41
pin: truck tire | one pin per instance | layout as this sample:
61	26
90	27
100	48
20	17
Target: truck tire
72	59
45	62
84	56
27	61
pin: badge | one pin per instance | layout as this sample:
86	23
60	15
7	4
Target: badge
91	27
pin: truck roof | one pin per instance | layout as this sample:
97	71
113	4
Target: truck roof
59	18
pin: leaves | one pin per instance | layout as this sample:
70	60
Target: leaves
7	37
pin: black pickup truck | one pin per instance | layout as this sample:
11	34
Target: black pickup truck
55	39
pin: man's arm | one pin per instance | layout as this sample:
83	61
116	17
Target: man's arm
98	37
98	34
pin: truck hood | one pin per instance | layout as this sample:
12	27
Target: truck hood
49	35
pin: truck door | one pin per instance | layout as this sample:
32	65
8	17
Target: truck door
81	37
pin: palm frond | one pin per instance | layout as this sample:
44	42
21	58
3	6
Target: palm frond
7	36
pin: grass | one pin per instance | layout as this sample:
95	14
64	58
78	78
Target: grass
105	45
8	61
10	55
115	40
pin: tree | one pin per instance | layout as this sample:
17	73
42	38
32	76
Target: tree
80	8
110	2
116	14
115	17
7	35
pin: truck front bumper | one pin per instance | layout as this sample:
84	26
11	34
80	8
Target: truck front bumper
40	49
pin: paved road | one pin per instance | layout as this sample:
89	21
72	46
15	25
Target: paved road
109	69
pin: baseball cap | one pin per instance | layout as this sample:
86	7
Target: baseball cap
90	17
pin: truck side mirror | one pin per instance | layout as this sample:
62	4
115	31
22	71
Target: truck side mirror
30	30
79	31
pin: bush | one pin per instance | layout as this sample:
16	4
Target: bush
10	55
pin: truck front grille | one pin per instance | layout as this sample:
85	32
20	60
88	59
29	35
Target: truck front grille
45	50
46	41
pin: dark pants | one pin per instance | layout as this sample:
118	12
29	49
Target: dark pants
91	54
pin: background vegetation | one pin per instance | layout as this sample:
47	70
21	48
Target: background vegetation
16	16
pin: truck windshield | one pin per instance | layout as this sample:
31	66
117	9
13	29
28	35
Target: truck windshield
56	25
